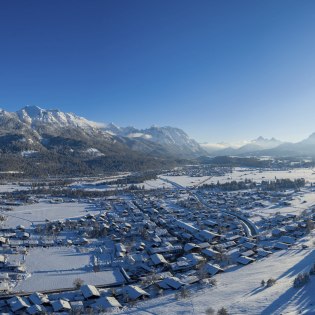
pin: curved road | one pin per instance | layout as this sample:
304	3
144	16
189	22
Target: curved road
250	227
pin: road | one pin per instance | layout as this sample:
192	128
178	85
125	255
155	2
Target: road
249	227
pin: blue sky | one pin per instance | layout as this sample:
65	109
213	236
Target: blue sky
221	70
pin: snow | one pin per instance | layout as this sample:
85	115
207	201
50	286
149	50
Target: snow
155	184
248	296
12	187
94	152
184	181
301	201
28	153
33	114
57	268
39	212
239	174
139	135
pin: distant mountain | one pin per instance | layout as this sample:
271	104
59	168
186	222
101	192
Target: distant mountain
173	140
165	140
33	132
304	148
252	147
271	147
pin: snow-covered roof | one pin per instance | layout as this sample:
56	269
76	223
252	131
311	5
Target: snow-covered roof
134	292
106	302
36	309
89	291
212	269
61	305
158	259
210	252
38	298
244	260
171	283
18	303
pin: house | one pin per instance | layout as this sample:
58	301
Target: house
204	245
170	283
89	291
186	227
2	260
208	236
3	240
158	259
263	253
210	253
18	304
249	245
213	269
210	223
106	302
77	306
278	232
233	254
280	245
248	253
244	260
36	309
182	264
134	292
191	247
39	298
194	258
120	250
287	240
61	305
22	235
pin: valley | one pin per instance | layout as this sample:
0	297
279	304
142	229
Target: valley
179	238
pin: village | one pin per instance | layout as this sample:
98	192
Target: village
94	254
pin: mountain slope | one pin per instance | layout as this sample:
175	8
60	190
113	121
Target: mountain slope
169	140
50	141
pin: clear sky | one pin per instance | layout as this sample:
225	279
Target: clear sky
223	70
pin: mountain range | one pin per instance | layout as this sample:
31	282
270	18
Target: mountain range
265	147
36	141
246	147
34	135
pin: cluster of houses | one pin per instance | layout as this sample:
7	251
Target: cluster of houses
199	171
86	299
162	240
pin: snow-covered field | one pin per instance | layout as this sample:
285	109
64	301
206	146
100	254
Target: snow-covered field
12	187
240	291
39	212
98	185
301	201
256	175
239	174
185	181
155	184
57	268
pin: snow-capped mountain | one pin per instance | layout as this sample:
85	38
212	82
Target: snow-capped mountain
249	147
174	140
34	116
44	129
265	143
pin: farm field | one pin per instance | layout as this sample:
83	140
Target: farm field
58	267
28	215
